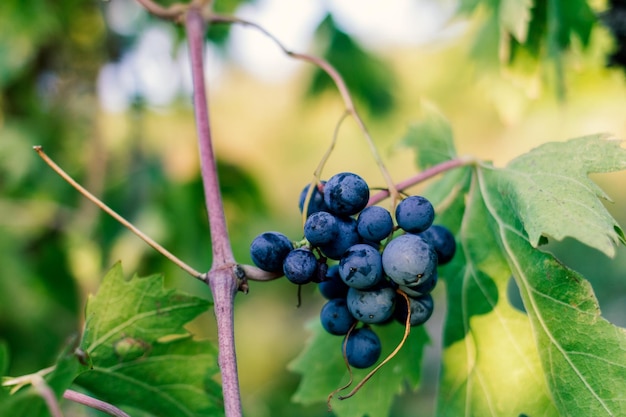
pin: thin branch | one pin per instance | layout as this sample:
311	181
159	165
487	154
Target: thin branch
116	216
174	12
257	274
44	390
94	403
423	176
337	79
407	331
348	367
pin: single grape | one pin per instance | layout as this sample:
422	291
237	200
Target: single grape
442	239
346	237
300	266
363	348
346	194
316	203
269	250
374	223
409	260
415	214
321	228
335	317
421	309
373	305
361	266
333	286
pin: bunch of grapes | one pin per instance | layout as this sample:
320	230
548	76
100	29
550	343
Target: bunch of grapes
362	261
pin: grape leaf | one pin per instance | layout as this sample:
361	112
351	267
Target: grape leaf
550	191
432	136
566	19
323	370
4	357
490	365
562	358
25	26
583	356
371	84
142	356
28	400
514	17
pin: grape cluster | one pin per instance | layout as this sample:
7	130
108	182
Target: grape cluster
361	260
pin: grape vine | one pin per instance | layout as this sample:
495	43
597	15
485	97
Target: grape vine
477	228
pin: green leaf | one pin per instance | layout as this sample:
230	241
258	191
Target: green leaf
28	401
431	136
490	366
323	370
512	31
141	354
551	192
515	16
583	356
4	357
368	78
567	19
25	25
561	358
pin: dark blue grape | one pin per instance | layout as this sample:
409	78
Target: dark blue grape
346	237
363	348
346	194
373	305
316	203
415	214
374	223
300	266
268	251
333	286
442	239
409	260
361	266
321	228
421	309
335	317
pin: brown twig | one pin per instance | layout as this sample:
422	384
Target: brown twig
191	271
423	176
337	80
407	331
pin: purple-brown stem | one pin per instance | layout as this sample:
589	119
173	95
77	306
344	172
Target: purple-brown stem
422	176
94	403
220	278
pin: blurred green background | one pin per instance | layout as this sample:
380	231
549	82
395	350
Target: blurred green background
89	81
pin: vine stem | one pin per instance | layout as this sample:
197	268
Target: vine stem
423	176
48	396
223	283
99	203
94	403
337	80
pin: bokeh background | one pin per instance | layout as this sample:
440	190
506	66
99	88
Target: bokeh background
105	89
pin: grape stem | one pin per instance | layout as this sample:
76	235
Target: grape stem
407	331
423	176
94	403
348	367
337	80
